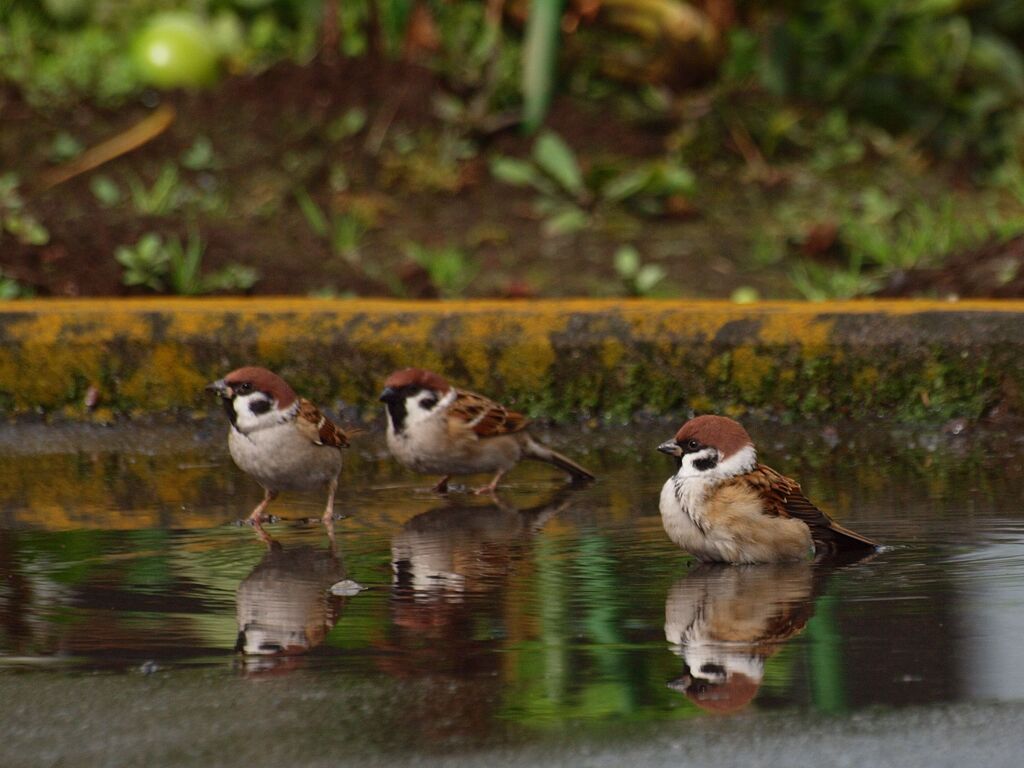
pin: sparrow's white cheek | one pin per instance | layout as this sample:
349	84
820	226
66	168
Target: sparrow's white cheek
699	463
253	411
425	406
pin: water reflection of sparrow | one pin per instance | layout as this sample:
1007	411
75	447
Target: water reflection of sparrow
436	429
721	505
451	551
284	606
726	621
278	438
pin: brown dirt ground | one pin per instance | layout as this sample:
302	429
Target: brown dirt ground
271	137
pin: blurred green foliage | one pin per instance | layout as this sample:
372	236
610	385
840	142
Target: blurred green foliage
948	72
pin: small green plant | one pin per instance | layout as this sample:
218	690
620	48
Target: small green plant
145	263
105	190
13	289
15	219
638	278
200	156
450	268
567	199
160	198
169	266
343	232
817	282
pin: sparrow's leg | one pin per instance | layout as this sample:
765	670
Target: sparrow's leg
257	514
263	535
442	485
332	487
492	486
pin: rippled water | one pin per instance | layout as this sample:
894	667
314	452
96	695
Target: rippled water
120	553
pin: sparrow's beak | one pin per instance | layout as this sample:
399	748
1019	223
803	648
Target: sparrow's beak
388	394
671	448
220	387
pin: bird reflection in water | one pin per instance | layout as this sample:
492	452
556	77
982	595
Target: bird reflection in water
452	574
442	561
284	606
726	621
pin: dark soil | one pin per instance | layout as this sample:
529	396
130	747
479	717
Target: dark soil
995	270
274	138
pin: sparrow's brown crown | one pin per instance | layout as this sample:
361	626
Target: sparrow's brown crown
719	432
263	380
417	377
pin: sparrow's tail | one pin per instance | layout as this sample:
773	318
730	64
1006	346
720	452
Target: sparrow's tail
836	539
534	450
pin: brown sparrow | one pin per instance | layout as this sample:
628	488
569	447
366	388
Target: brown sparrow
437	429
721	505
278	438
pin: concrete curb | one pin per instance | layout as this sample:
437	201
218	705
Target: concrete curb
913	361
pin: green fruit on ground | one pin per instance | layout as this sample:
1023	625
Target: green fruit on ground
176	49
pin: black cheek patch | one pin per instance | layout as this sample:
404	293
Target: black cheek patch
259	407
704	465
428	403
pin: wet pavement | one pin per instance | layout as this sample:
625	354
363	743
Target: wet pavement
141	625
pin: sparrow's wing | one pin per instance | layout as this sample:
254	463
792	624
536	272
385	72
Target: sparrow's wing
485	417
783	497
318	428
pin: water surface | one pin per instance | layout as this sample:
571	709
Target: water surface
128	587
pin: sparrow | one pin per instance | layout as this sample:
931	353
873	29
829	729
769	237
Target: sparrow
722	505
726	621
437	429
279	439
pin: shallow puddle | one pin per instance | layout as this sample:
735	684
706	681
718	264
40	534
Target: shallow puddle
558	608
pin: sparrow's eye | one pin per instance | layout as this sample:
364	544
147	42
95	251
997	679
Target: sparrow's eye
691	445
243	388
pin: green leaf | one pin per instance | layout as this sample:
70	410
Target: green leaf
627	184
556	159
565	222
627	261
648	277
105	190
540	53
311	211
518	173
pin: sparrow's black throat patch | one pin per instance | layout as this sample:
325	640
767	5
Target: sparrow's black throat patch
395	403
229	409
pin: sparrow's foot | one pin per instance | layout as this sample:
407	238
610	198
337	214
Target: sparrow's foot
491	487
441	486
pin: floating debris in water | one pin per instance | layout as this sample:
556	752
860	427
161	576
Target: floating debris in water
347	588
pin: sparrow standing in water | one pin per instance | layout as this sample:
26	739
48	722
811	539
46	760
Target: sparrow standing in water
279	439
721	505
436	429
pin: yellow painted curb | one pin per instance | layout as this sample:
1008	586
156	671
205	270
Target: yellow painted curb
559	358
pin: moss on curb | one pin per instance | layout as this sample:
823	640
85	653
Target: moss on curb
913	361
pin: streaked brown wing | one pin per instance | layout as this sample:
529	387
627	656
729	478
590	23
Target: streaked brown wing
485	417
783	497
318	428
